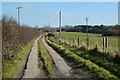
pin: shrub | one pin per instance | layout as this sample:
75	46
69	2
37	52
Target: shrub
15	36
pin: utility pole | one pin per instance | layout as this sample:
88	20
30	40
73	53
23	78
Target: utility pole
87	25
60	25
49	27
87	32
18	15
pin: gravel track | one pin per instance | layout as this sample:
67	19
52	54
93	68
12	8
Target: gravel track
33	68
64	68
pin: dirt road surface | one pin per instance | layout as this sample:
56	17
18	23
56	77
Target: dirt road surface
58	60
33	70
32	67
65	70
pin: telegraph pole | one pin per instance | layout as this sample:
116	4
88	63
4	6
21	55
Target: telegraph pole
87	32
49	27
87	25
60	25
18	15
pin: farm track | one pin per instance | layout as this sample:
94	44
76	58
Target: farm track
31	68
64	68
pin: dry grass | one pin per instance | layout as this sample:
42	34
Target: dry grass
83	47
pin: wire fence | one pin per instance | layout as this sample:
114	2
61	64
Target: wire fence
107	44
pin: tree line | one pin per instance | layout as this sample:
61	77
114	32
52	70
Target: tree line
97	29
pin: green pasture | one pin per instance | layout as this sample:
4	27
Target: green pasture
93	38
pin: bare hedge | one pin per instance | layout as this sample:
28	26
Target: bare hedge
15	36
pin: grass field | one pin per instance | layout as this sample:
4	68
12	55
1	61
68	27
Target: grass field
93	38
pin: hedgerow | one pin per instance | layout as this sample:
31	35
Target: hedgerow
15	36
16	41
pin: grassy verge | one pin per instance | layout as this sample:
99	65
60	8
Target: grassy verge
96	57
80	62
45	59
10	65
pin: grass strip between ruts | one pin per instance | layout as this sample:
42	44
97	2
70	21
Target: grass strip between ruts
45	59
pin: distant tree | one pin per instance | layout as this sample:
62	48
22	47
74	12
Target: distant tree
97	29
36	26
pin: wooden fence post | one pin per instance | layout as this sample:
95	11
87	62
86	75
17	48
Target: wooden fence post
73	41
78	41
103	43
70	41
106	43
87	42
66	40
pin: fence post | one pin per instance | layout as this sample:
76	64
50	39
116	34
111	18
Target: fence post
78	41
73	41
87	43
70	41
103	43
106	43
66	40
